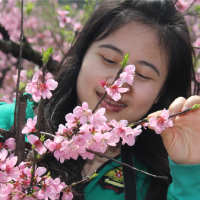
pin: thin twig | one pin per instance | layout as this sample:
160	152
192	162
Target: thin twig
180	113
49	135
19	69
190	6
38	129
103	97
79	182
102	155
59	46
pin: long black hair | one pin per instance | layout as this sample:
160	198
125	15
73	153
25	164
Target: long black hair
174	40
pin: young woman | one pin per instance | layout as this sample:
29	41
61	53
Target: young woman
157	39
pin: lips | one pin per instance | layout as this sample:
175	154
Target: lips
111	105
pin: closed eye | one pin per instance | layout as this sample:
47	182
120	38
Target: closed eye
141	76
109	61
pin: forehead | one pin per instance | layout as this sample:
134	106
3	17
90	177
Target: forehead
140	41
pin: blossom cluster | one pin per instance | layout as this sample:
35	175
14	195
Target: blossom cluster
15	180
39	89
125	77
94	134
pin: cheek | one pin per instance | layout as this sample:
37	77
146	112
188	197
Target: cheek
147	94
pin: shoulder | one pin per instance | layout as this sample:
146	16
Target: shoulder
7	114
6	111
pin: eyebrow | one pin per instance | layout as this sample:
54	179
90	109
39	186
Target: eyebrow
114	48
152	66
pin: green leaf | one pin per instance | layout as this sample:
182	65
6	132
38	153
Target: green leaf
46	54
195	106
48	175
42	138
197	8
29	73
21	86
93	175
38	156
124	62
67	7
29	7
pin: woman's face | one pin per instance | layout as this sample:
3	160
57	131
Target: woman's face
102	61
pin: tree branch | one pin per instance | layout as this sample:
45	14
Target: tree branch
6	134
8	46
102	155
4	33
19	137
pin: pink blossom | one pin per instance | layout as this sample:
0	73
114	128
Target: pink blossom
130	135
79	140
5	190
182	5
115	90
41	89
159	124
102	83
8	167
34	140
77	26
23	76
67	195
127	75
84	113
98	119
10	144
3	155
62	12
30	126
55	146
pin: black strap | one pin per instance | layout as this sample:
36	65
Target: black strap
128	174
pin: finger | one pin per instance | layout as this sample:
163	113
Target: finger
176	106
191	102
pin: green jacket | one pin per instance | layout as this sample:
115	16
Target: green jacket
185	178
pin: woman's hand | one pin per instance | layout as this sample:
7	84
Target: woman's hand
182	141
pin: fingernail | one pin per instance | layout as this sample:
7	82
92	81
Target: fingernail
184	108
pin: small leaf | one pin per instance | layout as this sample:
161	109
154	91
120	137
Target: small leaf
93	175
48	175
124	62
195	106
42	138
46	54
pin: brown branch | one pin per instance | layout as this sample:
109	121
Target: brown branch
8	46
196	47
19	137
4	33
102	155
6	134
